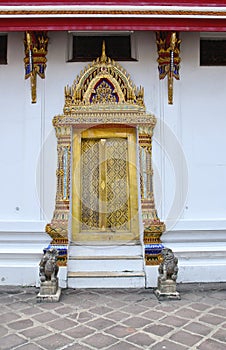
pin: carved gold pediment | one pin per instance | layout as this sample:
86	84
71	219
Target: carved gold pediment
103	93
103	82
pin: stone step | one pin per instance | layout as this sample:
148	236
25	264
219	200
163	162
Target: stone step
106	250
104	279
106	263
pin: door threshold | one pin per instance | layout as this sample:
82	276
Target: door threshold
104	243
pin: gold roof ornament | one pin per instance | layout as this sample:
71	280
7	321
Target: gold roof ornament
103	56
168	47
35	49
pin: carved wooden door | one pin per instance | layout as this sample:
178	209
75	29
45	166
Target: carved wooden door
105	192
104	185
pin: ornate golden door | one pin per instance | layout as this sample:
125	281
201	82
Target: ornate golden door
105	199
97	190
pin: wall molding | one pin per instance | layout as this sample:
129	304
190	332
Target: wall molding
22	226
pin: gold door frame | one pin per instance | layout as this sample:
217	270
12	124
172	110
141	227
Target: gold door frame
104	94
129	134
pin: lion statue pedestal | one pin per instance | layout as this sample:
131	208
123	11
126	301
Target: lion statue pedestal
168	270
48	270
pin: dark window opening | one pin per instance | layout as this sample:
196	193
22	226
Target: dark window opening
88	48
212	52
3	49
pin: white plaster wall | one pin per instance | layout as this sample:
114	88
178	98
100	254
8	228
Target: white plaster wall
20	139
198	123
189	157
203	138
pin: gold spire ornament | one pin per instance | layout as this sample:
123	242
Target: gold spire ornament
168	46
35	49
103	55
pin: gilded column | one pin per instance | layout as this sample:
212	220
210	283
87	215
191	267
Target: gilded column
58	228
153	227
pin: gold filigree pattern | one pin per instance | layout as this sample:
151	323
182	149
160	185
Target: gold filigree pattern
104	93
153	231
104	185
90	185
104	115
117	185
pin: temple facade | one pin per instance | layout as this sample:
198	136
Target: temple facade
112	141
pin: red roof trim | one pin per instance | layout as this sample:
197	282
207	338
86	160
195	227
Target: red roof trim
215	3
89	24
112	16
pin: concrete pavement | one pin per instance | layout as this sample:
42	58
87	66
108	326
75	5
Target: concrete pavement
114	319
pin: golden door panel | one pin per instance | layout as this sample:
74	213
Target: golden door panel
105	200
90	174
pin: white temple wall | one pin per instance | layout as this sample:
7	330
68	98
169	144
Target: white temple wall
189	157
